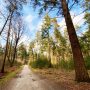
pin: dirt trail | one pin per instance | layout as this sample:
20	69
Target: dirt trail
27	80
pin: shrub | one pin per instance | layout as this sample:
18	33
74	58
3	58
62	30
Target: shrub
63	64
69	65
40	63
87	62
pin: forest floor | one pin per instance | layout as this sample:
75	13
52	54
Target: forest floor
44	79
9	73
64	78
27	80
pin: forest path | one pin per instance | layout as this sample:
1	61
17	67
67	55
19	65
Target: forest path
27	80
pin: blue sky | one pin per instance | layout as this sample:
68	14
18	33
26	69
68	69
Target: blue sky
33	21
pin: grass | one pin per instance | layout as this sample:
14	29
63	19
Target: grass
9	75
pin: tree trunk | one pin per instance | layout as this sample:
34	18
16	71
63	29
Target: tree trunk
6	50
9	52
49	51
15	51
4	24
80	70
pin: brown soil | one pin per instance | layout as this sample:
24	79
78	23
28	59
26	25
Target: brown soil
63	78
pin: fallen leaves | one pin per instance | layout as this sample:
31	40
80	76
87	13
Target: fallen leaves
64	78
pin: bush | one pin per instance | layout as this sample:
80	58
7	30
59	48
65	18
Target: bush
87	62
69	65
63	64
40	63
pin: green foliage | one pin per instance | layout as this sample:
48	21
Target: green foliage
1	51
50	5
40	63
46	26
68	65
18	64
22	52
87	62
87	17
85	43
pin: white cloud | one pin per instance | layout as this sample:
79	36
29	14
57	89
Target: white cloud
28	19
31	23
25	40
31	29
77	20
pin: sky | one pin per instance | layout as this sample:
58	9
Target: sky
33	22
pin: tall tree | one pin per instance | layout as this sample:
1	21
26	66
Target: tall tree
17	5
18	32
13	7
60	40
31	52
62	6
6	49
46	34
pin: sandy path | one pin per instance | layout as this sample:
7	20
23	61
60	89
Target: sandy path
26	80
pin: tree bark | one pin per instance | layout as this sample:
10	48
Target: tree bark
80	70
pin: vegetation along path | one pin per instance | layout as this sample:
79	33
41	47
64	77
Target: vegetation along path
27	80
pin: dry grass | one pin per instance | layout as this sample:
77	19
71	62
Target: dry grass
64	78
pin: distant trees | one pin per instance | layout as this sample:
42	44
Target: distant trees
31	50
23	54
